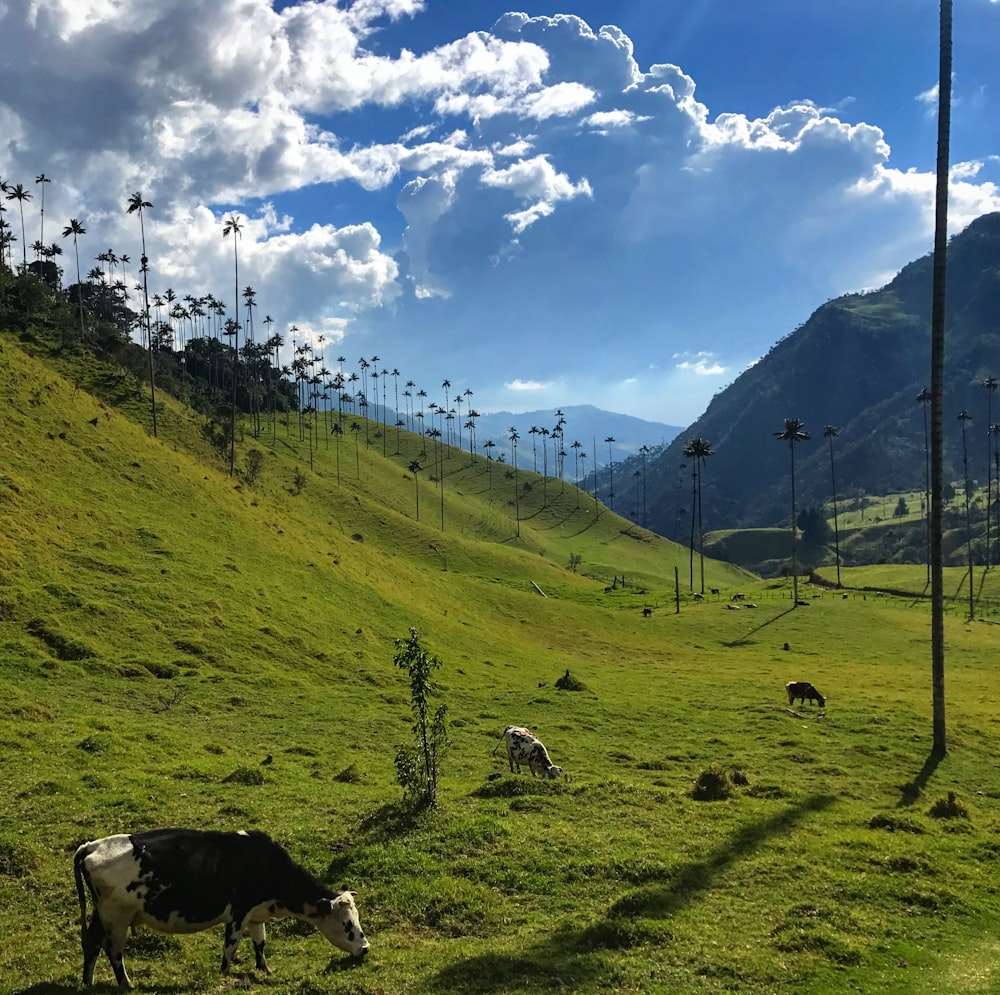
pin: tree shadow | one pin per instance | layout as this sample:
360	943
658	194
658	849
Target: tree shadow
910	793
54	988
571	958
745	638
586	528
392	820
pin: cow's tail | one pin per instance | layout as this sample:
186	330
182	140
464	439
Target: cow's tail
78	873
497	747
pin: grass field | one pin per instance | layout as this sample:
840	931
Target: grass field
164	627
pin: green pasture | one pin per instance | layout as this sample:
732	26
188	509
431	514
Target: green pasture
164	627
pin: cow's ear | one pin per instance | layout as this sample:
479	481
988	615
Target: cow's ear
324	906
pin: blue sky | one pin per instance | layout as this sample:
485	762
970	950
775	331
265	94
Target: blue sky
545	203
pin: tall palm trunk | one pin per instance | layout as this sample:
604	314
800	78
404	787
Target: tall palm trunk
795	566
701	528
964	417
833	484
924	398
694	507
937	376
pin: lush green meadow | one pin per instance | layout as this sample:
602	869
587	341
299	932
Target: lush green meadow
164	627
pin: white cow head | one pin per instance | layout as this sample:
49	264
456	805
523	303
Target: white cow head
337	919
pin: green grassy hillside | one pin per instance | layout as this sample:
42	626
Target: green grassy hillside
164	627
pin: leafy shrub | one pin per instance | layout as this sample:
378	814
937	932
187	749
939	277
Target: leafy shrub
569	683
254	465
417	769
948	808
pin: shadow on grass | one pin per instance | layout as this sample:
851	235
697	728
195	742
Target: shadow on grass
745	638
392	820
910	793
99	987
572	958
52	988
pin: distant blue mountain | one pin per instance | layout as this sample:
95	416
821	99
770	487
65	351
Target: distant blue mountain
584	423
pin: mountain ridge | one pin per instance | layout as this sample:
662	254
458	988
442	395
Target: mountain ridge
857	364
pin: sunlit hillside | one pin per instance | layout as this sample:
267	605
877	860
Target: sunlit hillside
182	646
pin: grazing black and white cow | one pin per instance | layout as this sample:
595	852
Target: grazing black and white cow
804	690
523	747
186	880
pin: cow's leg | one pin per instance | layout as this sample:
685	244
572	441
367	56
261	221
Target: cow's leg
114	945
510	761
258	936
234	933
93	943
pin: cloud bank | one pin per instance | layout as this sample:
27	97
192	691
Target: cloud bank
522	209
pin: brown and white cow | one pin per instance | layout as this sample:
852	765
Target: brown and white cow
186	880
523	747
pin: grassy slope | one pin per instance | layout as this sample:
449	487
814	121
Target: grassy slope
164	626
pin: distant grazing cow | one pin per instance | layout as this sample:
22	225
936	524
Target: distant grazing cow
523	747
186	880
804	690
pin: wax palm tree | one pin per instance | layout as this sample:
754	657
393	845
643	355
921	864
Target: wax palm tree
408	393
136	205
611	473
938	293
446	384
415	468
924	399
990	385
831	433
513	458
964	417
576	446
338	431
7	240
232	226
75	229
793	432
698	450
533	432
395	386
995	433
489	445
20	194
544	433
42	179
356	429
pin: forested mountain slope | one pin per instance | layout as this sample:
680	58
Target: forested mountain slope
857	364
